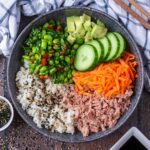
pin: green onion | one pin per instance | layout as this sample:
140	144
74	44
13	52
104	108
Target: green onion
51	62
48	37
75	46
43	69
44	44
26	57
67	59
52	71
45	25
37	68
56	41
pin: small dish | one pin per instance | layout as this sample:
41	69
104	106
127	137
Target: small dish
132	133
6	125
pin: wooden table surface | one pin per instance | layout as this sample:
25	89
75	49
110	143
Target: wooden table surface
22	137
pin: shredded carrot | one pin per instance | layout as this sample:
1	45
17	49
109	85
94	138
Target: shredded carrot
108	79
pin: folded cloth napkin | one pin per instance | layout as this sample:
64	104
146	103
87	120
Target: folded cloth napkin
10	18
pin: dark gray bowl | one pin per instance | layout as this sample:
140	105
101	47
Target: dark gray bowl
15	62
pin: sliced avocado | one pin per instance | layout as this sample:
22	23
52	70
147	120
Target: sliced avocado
81	27
104	32
88	37
80	34
93	24
71	39
87	25
98	31
100	23
85	17
70	24
78	24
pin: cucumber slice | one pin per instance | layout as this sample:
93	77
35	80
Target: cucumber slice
114	46
98	48
86	57
122	44
102	51
106	46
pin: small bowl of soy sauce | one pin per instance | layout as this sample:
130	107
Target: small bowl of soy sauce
6	113
133	139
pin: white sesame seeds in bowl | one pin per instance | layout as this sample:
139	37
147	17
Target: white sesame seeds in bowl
6	113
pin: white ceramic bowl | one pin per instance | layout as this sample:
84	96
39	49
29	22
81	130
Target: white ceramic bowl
12	114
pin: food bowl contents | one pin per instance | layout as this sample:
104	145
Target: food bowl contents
41	100
108	79
5	113
48	53
77	75
96	113
94	52
82	28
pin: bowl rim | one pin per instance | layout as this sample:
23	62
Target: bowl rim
12	114
107	132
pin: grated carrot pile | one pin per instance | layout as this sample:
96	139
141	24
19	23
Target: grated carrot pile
107	79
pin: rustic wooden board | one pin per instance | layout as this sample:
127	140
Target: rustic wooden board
2	62
22	137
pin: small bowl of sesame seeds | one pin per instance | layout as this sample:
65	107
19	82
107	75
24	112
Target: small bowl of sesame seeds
6	113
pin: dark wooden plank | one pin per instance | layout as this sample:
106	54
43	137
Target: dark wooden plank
2	62
144	114
2	70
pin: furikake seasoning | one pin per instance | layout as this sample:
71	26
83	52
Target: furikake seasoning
5	113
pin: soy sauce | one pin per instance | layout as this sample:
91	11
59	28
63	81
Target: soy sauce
133	144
